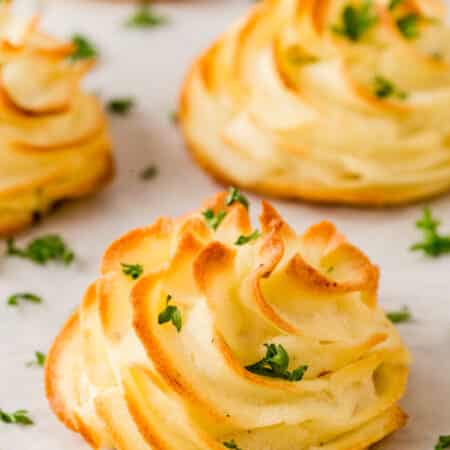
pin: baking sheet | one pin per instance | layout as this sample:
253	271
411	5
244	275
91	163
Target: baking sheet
149	65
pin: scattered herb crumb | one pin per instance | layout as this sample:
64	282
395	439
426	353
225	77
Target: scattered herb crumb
19	417
41	250
400	316
84	49
234	195
443	443
121	106
384	89
242	240
231	444
171	314
174	117
275	364
213	220
145	17
39	360
393	4
134	271
149	173
14	299
409	25
433	244
356	21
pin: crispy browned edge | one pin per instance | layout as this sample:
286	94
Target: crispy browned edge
370	198
54	397
81	190
51	379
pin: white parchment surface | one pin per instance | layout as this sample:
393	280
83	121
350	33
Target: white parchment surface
149	65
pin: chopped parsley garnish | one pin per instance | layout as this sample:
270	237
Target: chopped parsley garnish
120	106
443	443
134	271
409	25
43	249
39	360
171	314
19	417
235	195
275	365
149	173
84	49
385	88
356	21
174	117
393	4
213	220
231	444
13	300
402	315
145	17
433	244
242	240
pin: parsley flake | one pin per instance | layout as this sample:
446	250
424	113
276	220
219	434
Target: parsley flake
13	300
213	220
242	240
171	314
19	417
39	360
409	25
84	49
120	106
433	244
443	443
275	365
356	21
384	88
235	195
174	117
42	250
231	444
145	17
402	315
134	271
393	4
149	173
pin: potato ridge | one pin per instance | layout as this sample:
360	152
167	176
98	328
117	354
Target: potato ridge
123	378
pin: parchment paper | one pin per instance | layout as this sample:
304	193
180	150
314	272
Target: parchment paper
149	65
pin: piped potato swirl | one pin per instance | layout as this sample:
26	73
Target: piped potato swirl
341	101
203	333
53	138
